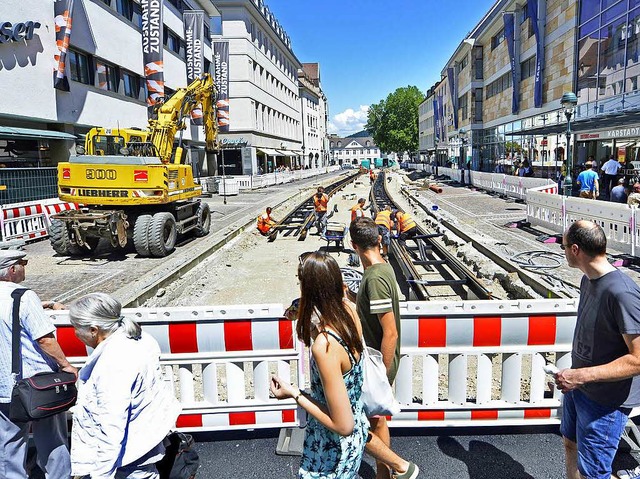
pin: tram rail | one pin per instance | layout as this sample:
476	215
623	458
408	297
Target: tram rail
298	221
431	271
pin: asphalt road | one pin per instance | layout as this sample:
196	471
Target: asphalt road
485	453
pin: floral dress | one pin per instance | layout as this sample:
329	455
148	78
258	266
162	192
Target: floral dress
327	454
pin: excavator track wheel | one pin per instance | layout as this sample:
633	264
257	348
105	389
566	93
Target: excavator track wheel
204	219
141	235
162	234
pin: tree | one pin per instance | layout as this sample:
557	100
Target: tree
393	122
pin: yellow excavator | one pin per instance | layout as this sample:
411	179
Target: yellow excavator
133	185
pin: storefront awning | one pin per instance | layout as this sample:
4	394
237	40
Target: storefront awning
297	152
10	132
270	152
290	152
600	122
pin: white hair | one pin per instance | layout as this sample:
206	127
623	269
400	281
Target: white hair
103	312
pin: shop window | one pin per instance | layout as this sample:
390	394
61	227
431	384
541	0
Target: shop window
79	66
106	76
131	83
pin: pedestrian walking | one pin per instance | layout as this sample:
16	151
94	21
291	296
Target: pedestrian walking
385	224
337	427
609	174
40	352
320	202
405	225
588	181
378	308
602	384
125	406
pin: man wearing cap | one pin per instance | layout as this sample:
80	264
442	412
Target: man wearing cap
40	353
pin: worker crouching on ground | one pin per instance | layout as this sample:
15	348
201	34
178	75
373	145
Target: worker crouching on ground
385	223
266	222
405	226
357	210
320	202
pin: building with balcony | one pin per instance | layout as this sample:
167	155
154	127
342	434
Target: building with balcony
353	150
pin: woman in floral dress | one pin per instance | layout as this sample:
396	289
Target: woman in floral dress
337	427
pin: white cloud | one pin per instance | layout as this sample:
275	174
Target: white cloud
349	121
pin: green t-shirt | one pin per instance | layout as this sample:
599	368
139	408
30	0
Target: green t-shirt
379	293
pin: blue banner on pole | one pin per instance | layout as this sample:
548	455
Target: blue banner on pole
509	34
451	78
532	8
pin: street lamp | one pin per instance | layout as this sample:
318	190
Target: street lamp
568	102
462	163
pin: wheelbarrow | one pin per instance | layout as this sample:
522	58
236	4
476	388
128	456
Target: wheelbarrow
335	232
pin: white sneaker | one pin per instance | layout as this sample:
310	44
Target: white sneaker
629	473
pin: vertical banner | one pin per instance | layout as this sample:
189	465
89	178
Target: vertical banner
453	92
441	113
221	77
194	37
532	8
509	34
436	121
63	11
152	49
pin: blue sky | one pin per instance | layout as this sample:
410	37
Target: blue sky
368	48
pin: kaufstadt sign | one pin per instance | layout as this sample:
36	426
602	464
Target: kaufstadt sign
234	142
611	134
10	32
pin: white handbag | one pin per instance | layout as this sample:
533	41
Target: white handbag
377	395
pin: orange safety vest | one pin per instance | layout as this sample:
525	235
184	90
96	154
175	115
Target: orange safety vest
320	205
384	219
354	211
405	222
265	222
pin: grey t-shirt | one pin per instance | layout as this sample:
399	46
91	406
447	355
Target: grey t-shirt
609	307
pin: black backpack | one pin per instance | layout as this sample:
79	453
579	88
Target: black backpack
181	461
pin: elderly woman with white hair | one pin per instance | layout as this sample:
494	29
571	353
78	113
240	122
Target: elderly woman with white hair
125	408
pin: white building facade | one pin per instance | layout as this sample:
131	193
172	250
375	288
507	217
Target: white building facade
314	116
265	118
40	125
353	150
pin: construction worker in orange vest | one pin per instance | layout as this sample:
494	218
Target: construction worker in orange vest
385	223
357	210
372	177
320	202
405	225
266	222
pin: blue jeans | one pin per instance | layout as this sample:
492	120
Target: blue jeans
596	429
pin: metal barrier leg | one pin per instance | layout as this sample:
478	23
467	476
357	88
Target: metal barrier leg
290	441
631	435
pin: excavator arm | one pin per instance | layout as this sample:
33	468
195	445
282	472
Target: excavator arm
172	113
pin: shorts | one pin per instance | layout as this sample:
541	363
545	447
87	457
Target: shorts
587	194
386	236
596	429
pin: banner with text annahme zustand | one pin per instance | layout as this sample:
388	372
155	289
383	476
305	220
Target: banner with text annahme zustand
152	49
194	37
509	35
436	120
63	11
221	77
532	8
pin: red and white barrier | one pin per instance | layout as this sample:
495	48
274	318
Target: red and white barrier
454	357
28	221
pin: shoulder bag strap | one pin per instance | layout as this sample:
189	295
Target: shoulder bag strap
16	360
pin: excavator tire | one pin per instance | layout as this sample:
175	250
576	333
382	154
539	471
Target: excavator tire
141	235
162	234
204	219
60	241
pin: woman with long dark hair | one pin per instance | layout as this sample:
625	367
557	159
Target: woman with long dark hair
337	427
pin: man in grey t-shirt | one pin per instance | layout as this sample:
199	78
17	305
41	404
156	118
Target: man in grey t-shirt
602	384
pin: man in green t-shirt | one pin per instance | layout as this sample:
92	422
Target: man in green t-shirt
379	311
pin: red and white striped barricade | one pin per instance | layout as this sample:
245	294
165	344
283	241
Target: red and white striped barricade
222	358
30	220
466	363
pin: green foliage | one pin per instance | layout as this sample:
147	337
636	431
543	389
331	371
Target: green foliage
393	122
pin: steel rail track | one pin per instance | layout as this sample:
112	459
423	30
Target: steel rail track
428	264
298	221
